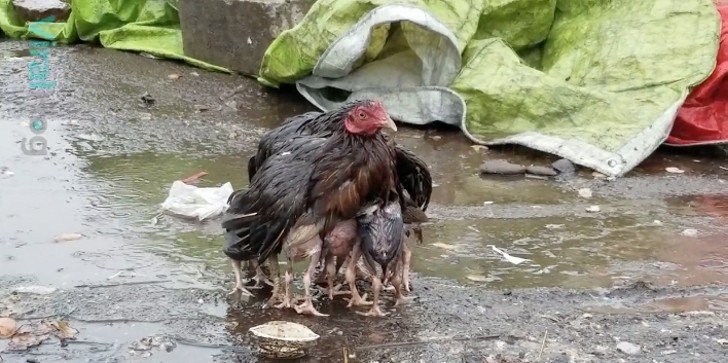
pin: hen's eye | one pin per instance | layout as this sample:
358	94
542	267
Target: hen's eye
362	115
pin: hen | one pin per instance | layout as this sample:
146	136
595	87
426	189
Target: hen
412	172
304	187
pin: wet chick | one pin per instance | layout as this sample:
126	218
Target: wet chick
338	246
381	231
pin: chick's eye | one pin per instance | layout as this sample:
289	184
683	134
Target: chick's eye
362	115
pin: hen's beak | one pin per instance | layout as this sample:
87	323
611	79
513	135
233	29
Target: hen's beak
389	124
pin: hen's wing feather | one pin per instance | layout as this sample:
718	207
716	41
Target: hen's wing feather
259	218
415	177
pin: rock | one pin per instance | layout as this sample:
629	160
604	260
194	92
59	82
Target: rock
36	10
236	33
628	348
593	209
541	170
690	232
500	166
564	167
585	193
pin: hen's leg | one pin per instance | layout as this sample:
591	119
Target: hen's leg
276	296
307	306
376	288
356	299
238	280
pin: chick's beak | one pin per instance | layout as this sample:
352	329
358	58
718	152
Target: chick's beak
389	124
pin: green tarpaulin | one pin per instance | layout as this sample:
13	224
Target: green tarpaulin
595	81
150	26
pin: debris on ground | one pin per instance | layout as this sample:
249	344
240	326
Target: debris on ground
147	99
34	289
593	209
283	339
5	171
674	170
690	232
565	167
195	178
585	193
628	348
503	167
541	170
67	237
90	137
174	76
144	346
33	334
7	327
509	258
201	203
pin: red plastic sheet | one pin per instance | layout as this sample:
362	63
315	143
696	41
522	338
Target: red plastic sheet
703	118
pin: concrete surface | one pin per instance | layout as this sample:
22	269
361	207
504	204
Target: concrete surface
235	33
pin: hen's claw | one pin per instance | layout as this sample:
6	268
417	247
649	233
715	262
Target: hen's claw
308	308
358	301
374	311
402	300
241	289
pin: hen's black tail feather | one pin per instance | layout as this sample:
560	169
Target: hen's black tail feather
415	177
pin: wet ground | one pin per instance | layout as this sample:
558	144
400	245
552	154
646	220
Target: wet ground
649	268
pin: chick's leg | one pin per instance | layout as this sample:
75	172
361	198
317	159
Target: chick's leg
356	299
276	296
376	288
288	301
260	279
238	280
307	306
406	259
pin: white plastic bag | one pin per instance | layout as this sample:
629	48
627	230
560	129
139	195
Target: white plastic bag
201	203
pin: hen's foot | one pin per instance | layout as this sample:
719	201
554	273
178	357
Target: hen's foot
402	300
286	303
336	291
374	311
307	308
358	301
260	282
239	288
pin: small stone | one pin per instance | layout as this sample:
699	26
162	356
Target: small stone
628	348
593	209
541	170
674	170
690	232
564	167
503	167
173	76
585	193
37	10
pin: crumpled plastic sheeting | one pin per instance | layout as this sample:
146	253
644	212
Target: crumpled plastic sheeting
150	26
703	119
195	202
596	81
